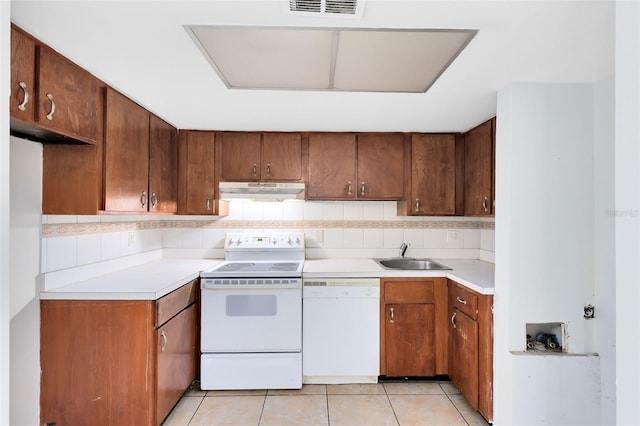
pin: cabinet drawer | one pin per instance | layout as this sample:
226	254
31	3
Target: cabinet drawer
408	292
169	305
464	300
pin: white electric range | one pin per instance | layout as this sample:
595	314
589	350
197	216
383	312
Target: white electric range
251	314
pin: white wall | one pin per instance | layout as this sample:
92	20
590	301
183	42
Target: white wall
545	249
601	338
627	211
26	207
4	210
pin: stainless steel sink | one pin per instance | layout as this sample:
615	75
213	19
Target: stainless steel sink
410	264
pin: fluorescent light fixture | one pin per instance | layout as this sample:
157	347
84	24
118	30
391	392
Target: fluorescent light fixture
334	59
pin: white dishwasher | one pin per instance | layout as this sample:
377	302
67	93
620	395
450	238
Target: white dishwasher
340	330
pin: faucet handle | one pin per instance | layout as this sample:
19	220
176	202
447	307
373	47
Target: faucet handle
403	249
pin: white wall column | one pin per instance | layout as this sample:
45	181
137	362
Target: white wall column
627	211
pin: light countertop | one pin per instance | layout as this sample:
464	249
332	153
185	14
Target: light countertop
148	281
477	275
154	279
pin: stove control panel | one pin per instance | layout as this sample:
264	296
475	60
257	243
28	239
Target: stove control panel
264	241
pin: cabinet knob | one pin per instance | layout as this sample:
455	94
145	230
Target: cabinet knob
143	198
361	188
349	189
25	96
53	107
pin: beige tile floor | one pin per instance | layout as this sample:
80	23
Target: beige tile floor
389	403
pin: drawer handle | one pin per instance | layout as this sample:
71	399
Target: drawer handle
393	317
417	205
255	170
53	107
464	302
208	204
154	199
25	99
453	320
143	198
485	204
349	188
163	344
268	169
361	188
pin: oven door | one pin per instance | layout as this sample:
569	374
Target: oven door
237	320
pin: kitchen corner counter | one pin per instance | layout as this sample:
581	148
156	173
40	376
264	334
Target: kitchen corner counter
477	275
147	281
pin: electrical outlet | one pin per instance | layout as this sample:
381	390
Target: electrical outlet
131	239
453	238
319	235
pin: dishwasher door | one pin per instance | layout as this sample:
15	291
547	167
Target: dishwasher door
340	331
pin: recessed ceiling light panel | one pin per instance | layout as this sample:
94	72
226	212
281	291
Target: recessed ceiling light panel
340	59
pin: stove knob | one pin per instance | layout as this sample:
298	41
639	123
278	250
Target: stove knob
230	241
289	241
298	241
238	242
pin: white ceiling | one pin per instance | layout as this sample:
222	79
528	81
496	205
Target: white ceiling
142	49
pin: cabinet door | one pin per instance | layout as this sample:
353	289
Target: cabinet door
478	173
241	156
282	156
196	176
126	154
410	339
332	162
23	57
433	174
68	97
380	166
163	166
463	355
177	359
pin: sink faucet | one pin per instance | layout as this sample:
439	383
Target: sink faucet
403	249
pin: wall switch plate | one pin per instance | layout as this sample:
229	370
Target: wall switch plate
453	239
319	235
131	239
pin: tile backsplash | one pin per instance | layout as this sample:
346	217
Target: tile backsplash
332	229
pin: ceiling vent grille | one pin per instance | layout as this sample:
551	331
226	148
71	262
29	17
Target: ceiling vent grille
333	7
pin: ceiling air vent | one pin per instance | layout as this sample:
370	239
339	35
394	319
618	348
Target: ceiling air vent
333	7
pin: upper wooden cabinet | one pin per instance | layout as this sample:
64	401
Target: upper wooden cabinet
52	99
163	166
126	158
196	174
479	175
436	175
345	166
247	156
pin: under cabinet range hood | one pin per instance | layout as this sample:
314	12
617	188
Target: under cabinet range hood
262	191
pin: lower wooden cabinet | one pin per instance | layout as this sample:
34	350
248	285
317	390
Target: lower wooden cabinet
413	331
117	362
471	346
